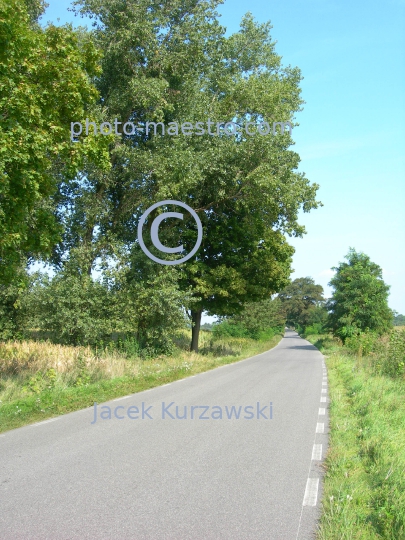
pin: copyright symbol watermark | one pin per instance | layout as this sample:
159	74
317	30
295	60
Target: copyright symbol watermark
155	232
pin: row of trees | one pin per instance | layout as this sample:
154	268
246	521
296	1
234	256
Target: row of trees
77	310
359	301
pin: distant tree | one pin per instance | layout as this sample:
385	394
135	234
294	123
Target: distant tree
303	302
260	316
399	320
207	327
360	298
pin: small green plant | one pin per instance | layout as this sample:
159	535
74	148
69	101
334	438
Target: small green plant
35	384
50	378
83	377
129	346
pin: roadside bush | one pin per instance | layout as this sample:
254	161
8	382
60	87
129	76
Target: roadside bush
257	318
392	361
313	329
362	344
227	329
386	353
230	329
74	309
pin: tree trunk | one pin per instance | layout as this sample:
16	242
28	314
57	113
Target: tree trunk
195	330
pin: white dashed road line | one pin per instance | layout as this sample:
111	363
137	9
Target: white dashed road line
311	492
320	427
317	452
44	422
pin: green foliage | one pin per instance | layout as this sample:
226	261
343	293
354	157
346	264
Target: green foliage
207	327
226	329
359	301
258	317
83	376
179	66
387	353
399	320
313	329
303	302
41	382
393	362
258	320
75	309
144	307
129	347
363	343
149	295
44	85
11	316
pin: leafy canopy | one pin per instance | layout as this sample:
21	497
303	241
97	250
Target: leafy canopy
360	298
303	302
171	62
44	85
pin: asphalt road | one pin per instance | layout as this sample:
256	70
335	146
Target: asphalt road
176	479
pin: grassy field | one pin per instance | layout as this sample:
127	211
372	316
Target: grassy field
42	380
364	492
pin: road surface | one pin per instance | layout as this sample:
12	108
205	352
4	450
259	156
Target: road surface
148	473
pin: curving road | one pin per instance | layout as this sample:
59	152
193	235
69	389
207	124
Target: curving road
148	474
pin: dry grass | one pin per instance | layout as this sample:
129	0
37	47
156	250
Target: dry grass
30	356
31	368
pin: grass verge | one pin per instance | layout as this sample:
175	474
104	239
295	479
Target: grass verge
41	380
364	489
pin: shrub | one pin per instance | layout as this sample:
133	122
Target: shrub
314	329
387	353
226	329
393	361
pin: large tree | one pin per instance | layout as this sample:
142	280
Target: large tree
44	85
302	300
360	298
171	62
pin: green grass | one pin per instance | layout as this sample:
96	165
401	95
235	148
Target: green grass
41	380
364	489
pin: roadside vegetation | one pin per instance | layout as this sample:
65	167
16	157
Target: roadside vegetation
40	379
364	488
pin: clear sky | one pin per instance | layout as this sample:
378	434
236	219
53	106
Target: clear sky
351	136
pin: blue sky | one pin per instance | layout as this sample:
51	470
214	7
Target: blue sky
351	137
